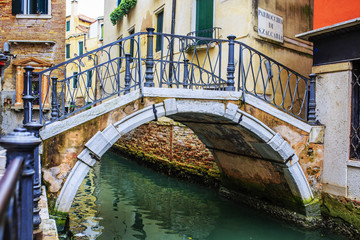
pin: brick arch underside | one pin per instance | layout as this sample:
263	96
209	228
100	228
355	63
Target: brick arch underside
253	159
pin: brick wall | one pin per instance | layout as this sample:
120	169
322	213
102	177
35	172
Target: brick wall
171	141
34	29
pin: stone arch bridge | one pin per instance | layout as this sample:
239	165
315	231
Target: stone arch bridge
260	150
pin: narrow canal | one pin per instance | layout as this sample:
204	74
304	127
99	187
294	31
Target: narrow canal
121	200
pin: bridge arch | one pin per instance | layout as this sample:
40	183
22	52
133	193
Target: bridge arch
252	157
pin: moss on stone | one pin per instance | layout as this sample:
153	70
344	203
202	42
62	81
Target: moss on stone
340	209
193	173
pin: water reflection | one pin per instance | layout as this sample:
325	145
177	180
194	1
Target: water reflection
121	200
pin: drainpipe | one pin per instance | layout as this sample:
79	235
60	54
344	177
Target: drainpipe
172	39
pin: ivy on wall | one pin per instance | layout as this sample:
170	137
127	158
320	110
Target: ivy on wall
122	10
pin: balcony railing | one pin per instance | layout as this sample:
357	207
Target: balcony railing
212	33
130	63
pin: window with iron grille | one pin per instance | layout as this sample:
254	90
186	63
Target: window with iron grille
355	113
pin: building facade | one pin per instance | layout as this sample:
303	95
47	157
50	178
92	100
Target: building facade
83	34
221	18
33	31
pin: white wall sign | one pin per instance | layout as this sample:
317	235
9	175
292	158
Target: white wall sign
270	25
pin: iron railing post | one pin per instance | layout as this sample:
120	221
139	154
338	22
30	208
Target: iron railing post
21	143
311	117
34	128
54	105
149	74
230	84
127	73
186	73
28	98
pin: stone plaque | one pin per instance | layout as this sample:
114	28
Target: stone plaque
270	25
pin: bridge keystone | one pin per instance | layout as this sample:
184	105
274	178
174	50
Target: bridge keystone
98	144
231	110
170	106
86	157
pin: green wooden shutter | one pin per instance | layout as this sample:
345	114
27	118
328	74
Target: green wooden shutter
89	78
204	17
67	50
42	6
16	7
132	44
75	79
81	48
159	26
67	26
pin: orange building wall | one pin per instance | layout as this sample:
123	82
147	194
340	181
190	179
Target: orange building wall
329	12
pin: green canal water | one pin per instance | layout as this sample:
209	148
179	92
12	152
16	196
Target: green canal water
121	200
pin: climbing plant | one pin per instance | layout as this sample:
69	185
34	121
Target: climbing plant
122	10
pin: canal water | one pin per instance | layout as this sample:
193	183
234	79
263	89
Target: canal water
121	200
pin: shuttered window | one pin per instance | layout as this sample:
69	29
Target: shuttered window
81	48
75	79
204	17
89	78
67	50
30	6
159	29
67	26
132	44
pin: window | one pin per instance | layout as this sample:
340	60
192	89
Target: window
355	113
30	6
35	89
67	26
132	43
75	79
89	78
204	18
81	47
118	2
159	29
67	50
101	31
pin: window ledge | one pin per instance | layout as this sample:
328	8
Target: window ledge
33	16
32	41
36	107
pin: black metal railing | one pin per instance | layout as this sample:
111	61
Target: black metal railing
20	186
10	200
212	33
211	64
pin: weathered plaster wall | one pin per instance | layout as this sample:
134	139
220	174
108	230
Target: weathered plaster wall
233	17
333	102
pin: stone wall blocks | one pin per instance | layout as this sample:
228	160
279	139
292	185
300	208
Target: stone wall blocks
98	144
85	156
140	117
170	106
316	134
72	184
256	128
210	107
111	134
285	150
231	111
298	182
276	141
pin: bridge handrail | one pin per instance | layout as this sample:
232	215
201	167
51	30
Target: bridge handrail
9	197
177	63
